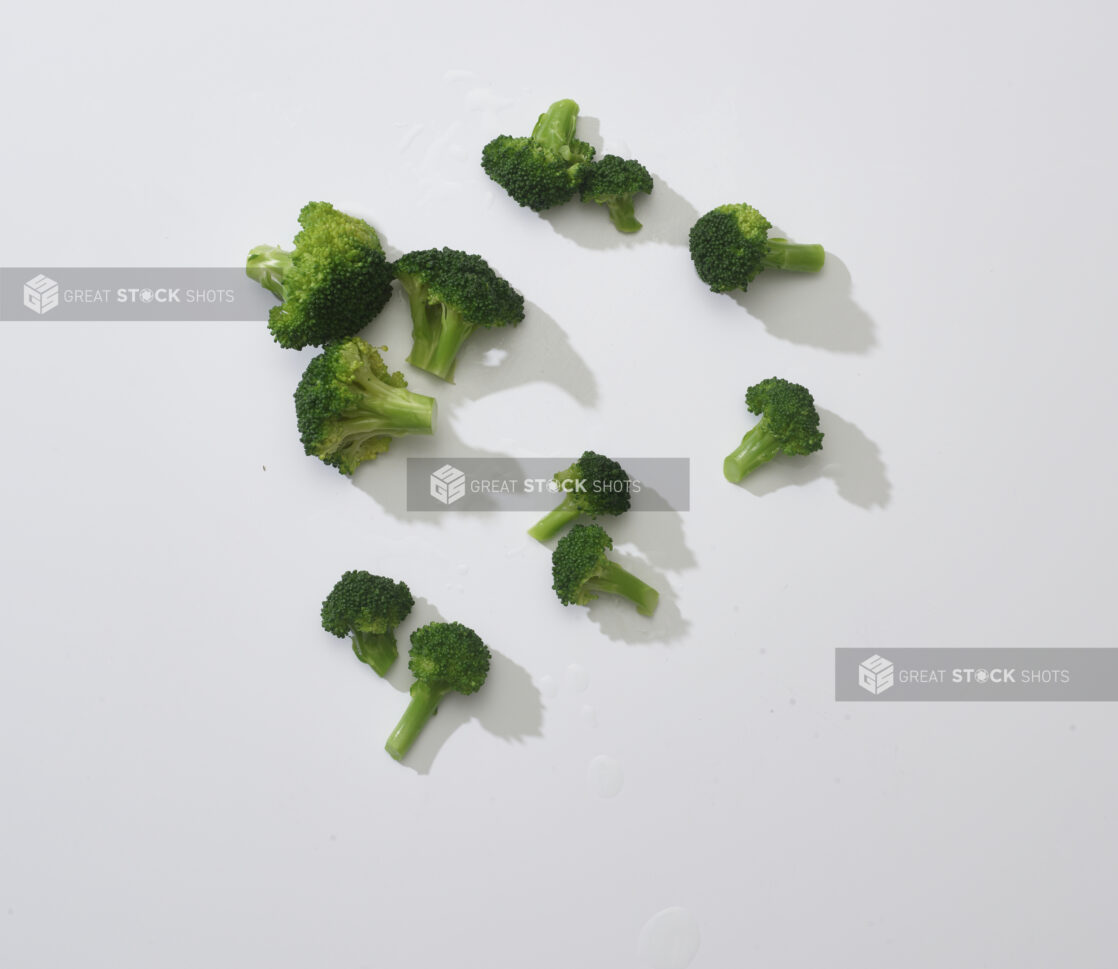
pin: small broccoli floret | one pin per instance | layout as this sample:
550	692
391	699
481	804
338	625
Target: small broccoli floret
349	406
594	485
333	283
789	424
446	657
580	570
368	608
546	169
451	294
613	182
730	246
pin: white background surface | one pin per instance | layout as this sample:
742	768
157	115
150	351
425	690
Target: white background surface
192	770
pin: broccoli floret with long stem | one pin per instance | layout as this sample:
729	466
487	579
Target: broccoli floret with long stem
545	169
368	608
451	294
730	245
613	182
445	657
580	570
349	407
333	283
789	424
594	485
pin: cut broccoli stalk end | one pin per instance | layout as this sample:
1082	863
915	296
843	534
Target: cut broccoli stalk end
268	265
613	579
425	700
795	257
555	520
556	126
756	448
621	213
395	411
378	650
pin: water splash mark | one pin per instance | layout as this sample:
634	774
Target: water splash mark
604	776
669	940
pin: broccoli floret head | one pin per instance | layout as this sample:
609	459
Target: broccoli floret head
445	657
789	424
580	570
368	608
594	485
349	406
546	169
451	294
613	182
333	283
730	245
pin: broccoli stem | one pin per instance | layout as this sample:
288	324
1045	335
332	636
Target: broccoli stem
782	254
437	335
425	701
757	447
621	214
268	265
555	520
612	578
377	649
556	127
391	410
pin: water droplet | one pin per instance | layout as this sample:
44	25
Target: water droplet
493	357
547	686
409	136
604	776
669	940
577	678
588	715
463	568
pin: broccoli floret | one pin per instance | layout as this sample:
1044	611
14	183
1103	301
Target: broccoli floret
594	485
451	293
613	182
349	406
789	424
334	282
368	608
546	169
580	570
446	657
730	245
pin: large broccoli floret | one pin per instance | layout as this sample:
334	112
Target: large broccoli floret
334	282
446	657
613	182
546	169
580	570
451	293
368	608
789	424
349	407
730	245
594	485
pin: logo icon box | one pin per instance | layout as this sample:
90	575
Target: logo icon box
40	294
875	675
448	484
